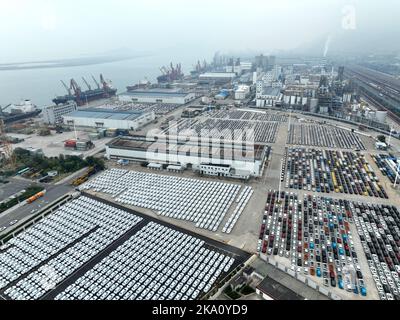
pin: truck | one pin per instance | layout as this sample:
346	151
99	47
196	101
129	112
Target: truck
83	178
36	196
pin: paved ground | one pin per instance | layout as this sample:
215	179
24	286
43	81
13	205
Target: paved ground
53	192
12	187
53	145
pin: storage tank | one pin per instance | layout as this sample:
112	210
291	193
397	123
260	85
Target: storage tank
286	99
313	104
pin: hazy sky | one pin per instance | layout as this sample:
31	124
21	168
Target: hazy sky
44	29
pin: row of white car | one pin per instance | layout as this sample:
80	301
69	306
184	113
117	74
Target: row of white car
204	203
69	237
156	263
323	136
241	201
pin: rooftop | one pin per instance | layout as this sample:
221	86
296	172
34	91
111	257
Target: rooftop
277	291
105	114
218	75
142	143
269	91
156	92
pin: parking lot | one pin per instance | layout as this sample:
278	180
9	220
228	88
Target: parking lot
378	228
204	203
158	108
259	131
323	136
331	171
78	250
388	165
247	115
314	237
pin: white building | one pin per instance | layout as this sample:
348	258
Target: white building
54	114
246	65
269	97
25	106
109	119
242	92
157	95
206	157
217	77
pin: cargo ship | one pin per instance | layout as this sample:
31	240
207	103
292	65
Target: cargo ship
143	84
105	90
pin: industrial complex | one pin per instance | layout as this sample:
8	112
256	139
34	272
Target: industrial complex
250	178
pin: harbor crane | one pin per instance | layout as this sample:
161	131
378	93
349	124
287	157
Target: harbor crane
66	87
87	84
95	81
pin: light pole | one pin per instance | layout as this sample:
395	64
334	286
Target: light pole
390	135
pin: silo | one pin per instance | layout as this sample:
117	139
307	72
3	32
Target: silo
313	104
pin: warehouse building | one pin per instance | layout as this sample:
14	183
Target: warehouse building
158	95
217	77
54	114
211	157
269	97
242	92
104	118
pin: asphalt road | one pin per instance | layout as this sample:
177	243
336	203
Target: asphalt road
14	186
53	192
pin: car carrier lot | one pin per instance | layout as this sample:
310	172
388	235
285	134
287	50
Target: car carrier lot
84	244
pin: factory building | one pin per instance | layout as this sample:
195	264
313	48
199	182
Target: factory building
104	118
246	65
217	77
211	157
54	114
158	95
269	97
242	92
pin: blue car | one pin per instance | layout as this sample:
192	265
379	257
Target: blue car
341	252
363	291
340	284
318	272
311	245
